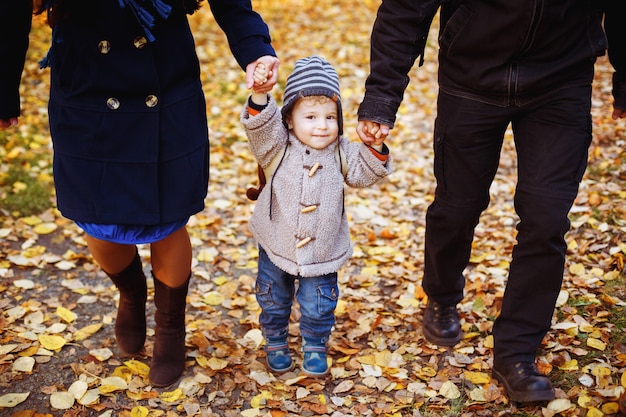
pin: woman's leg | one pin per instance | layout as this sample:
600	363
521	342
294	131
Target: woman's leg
123	265
171	268
171	258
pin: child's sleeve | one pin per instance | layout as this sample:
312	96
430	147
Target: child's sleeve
381	152
366	165
255	108
267	135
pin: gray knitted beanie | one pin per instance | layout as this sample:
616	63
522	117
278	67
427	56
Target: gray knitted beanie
312	76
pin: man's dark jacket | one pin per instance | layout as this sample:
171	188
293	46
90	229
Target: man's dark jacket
500	52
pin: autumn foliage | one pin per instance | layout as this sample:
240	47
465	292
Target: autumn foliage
57	350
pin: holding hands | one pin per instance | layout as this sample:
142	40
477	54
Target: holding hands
262	74
372	133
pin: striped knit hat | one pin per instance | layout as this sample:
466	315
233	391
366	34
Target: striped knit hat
312	76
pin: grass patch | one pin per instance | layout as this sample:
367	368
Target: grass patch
26	186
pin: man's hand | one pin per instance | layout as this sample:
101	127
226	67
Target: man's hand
618	113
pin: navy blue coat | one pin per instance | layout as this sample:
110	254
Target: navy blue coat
127	116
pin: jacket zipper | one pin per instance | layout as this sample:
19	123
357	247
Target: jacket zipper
537	13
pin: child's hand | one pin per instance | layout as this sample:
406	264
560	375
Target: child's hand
262	74
372	133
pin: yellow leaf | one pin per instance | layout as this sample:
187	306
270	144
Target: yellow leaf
594	412
13	399
610	408
584	400
52	342
45	228
62	400
67	315
477	378
596	344
322	399
251	412
172	396
101	354
449	390
370	271
78	389
86	331
220	280
577	269
138	367
569	365
259	400
214	298
623	380
203	361
426	372
559	405
488	342
112	384
139	411
367	359
216	364
601	371
24	364
91	397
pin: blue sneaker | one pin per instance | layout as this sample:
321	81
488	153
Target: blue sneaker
315	361
277	356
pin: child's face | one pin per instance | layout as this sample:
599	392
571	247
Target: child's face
313	121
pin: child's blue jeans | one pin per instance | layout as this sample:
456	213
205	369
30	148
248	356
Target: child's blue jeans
317	297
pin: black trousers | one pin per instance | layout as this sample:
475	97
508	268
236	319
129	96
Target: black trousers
552	137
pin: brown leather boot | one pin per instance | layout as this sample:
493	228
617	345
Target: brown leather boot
130	324
168	356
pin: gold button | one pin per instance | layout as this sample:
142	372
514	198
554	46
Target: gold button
308	209
140	42
104	47
113	103
152	100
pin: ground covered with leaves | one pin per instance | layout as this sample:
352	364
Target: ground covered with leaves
57	349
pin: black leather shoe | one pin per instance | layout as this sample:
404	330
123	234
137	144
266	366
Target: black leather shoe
441	324
523	383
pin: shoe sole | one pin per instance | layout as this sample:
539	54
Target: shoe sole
522	396
441	341
282	371
314	374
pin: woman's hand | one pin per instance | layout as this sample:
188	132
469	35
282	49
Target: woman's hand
271	64
6	123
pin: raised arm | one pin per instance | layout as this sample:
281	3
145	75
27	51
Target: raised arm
248	35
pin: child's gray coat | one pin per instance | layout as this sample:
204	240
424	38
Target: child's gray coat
284	219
